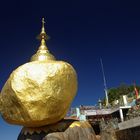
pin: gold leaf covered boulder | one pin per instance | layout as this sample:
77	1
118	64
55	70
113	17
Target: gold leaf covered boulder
39	92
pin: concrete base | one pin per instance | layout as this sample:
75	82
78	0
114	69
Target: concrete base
129	124
129	134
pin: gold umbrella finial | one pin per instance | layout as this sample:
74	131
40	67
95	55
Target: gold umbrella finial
43	34
43	52
43	28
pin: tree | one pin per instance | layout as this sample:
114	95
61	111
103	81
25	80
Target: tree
118	92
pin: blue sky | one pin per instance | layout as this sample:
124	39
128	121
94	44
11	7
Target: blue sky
81	33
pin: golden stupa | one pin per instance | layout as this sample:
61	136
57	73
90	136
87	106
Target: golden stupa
39	92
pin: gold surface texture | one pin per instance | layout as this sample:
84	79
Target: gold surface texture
40	92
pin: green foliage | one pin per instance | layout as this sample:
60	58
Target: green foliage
123	89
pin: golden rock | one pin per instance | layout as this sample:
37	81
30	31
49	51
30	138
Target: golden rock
39	92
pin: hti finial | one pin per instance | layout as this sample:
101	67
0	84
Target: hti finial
43	34
43	28
43	21
43	53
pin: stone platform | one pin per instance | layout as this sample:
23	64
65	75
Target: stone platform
129	134
63	130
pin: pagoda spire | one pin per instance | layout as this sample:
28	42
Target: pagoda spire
43	28
43	37
43	52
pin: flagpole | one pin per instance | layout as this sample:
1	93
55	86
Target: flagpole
105	86
136	91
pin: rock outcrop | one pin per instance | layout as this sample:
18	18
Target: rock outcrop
76	131
63	130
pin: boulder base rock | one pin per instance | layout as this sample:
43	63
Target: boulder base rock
63	130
